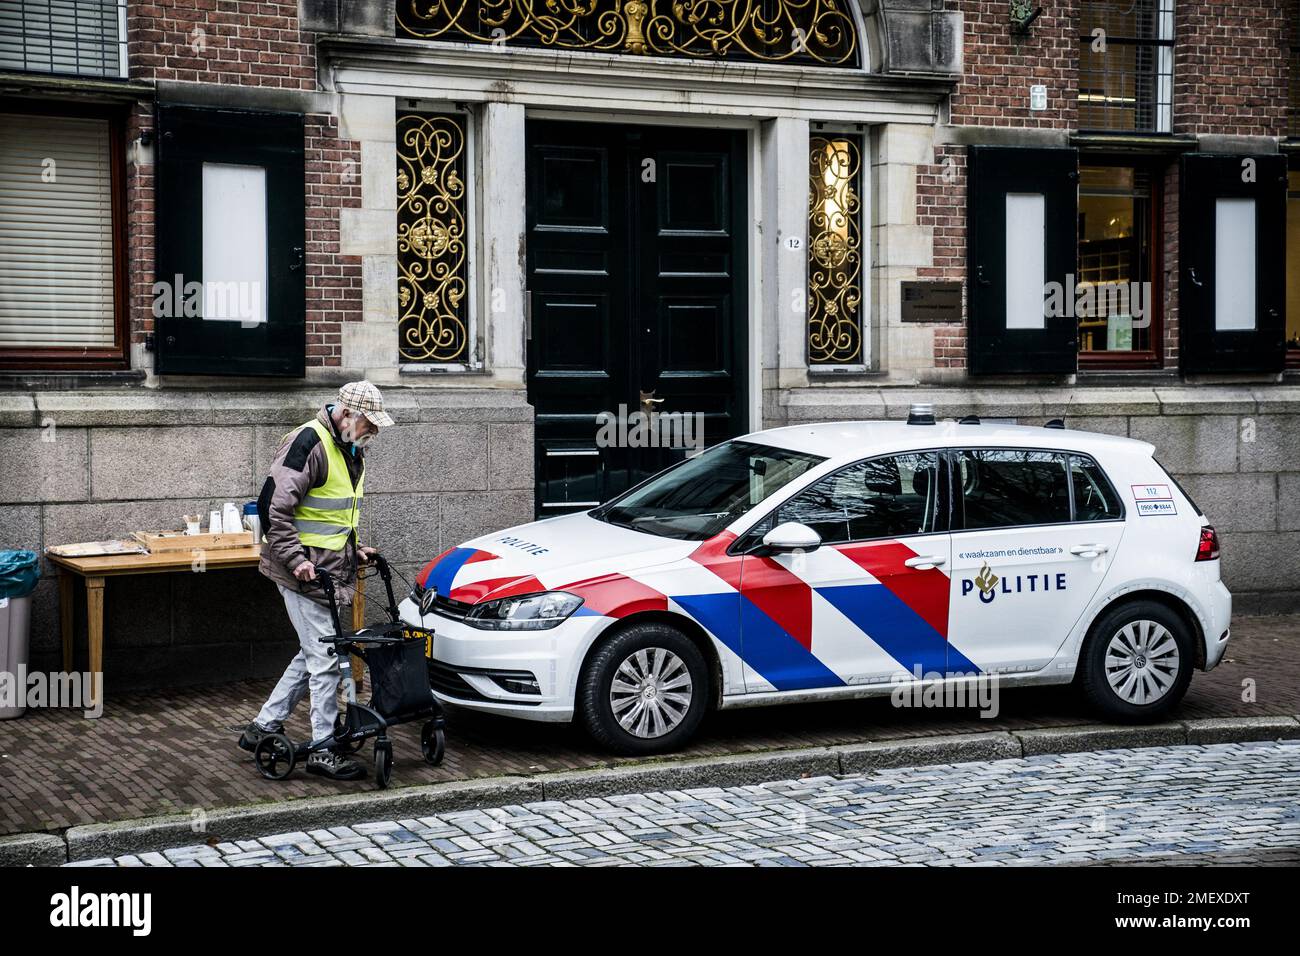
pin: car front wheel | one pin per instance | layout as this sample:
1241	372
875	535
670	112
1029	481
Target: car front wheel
644	690
1137	663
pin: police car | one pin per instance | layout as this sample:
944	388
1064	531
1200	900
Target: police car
847	559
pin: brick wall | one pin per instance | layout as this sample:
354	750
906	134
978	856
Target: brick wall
999	67
1230	77
245	44
1230	67
333	280
941	205
221	41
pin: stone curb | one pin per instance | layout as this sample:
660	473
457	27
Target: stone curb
33	849
245	822
238	823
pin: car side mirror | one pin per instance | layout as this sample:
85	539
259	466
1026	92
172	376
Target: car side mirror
791	536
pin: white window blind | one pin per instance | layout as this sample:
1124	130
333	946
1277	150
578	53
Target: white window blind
77	37
56	233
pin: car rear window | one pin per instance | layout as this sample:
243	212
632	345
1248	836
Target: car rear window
1095	498
1190	500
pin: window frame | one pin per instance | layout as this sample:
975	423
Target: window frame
745	543
861	137
121	16
958	497
1163	113
1292	358
1154	356
75	358
189	138
474	354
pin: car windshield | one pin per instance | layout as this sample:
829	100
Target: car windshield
700	496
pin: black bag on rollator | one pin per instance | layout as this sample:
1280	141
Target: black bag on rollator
399	677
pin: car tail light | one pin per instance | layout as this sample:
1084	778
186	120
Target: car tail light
1208	547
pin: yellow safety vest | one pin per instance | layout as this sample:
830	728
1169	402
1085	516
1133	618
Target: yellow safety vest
330	512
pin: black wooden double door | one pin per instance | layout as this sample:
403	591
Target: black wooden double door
636	259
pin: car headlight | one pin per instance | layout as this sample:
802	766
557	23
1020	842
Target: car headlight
528	612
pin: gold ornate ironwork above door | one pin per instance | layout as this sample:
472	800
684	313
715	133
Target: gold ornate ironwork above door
432	238
834	250
775	31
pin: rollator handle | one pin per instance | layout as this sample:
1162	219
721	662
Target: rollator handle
386	573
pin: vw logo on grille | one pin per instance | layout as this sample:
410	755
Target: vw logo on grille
426	600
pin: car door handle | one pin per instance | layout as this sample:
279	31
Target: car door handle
923	562
1089	550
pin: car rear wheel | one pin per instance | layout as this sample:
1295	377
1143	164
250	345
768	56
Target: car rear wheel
1138	662
644	690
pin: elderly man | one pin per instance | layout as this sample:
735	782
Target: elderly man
310	506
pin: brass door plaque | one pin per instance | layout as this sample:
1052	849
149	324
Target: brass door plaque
927	301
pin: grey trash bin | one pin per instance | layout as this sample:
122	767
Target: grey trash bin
19	571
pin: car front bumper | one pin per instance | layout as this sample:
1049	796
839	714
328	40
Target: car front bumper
467	665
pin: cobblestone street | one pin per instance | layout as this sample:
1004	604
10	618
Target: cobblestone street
174	752
1226	803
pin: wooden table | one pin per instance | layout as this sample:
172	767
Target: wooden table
96	570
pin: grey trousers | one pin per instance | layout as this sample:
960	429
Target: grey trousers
312	669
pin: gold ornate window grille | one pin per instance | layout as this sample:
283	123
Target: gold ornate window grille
814	32
432	239
835	250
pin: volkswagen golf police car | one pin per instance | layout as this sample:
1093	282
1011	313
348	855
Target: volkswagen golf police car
845	559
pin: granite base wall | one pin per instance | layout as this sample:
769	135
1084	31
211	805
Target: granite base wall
1235	448
80	466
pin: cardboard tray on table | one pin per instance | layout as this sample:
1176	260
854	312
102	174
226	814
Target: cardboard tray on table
163	541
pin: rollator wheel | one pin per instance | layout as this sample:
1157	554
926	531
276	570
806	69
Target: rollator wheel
433	742
274	756
383	763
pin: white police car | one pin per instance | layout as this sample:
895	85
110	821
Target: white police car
816	562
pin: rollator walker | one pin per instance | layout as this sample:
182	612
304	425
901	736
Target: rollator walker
394	653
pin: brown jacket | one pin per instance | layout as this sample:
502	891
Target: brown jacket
301	464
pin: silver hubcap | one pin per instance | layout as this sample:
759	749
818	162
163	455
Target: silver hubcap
1142	662
651	692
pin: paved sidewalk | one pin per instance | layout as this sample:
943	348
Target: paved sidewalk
154	754
1182	805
